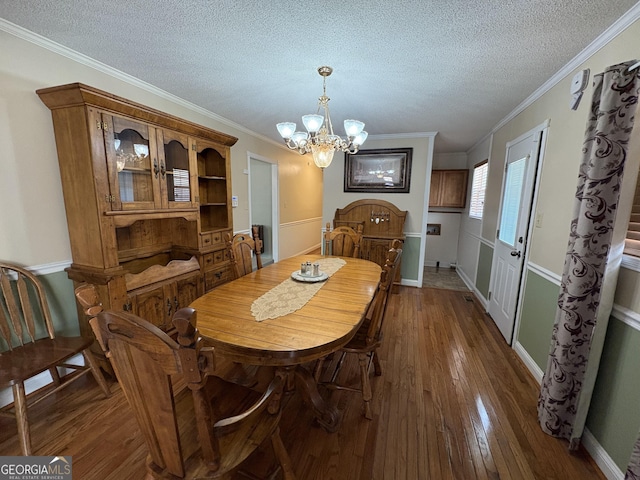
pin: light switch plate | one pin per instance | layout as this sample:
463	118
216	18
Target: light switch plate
234	201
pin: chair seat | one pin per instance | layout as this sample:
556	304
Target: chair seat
29	360
230	399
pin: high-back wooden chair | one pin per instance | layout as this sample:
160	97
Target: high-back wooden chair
342	241
242	248
368	338
30	346
225	426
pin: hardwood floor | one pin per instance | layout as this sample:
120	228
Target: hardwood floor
454	402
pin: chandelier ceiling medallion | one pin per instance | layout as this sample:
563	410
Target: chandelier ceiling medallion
319	139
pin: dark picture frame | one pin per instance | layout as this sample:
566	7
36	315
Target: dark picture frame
384	170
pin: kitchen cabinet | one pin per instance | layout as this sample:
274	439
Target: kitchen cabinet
448	188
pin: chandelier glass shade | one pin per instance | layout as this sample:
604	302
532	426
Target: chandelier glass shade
319	139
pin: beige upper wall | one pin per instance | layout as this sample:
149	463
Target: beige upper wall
562	155
335	196
30	189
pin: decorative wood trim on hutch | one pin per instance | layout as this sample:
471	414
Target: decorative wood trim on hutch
381	222
148	201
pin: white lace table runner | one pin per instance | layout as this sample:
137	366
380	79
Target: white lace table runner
290	295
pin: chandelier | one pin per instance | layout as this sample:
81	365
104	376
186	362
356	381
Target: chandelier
319	139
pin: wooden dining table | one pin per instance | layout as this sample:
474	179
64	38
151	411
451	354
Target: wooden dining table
327	321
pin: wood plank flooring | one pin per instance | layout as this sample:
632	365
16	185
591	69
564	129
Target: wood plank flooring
454	402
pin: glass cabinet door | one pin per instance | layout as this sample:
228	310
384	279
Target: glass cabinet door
175	169
132	164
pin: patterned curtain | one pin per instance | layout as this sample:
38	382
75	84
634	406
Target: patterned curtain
589	259
633	470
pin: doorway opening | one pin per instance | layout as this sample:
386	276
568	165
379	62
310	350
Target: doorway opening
263	204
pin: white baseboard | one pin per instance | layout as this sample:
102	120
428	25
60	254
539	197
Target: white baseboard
467	281
531	365
601	457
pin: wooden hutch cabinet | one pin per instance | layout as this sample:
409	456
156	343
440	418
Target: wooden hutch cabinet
381	221
148	201
448	188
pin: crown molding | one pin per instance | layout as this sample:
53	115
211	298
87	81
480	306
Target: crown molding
603	39
59	49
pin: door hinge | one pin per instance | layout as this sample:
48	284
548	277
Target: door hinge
498	233
193	147
102	125
489	296
109	198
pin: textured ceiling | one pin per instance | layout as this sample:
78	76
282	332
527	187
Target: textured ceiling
457	67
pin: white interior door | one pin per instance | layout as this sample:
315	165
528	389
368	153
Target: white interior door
511	238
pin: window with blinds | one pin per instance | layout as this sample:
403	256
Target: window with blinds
632	242
478	188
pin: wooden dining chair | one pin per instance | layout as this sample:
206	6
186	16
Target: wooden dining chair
242	248
31	347
368	338
342	241
226	423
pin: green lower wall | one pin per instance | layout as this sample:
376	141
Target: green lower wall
614	415
483	276
613	419
538	316
410	258
62	304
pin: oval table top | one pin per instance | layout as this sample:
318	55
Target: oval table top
323	325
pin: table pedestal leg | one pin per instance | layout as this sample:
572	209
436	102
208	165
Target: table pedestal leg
327	416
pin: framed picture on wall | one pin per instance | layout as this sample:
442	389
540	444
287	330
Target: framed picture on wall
385	170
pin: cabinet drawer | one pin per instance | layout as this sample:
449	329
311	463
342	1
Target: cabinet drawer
216	277
206	240
220	256
210	239
213	239
207	261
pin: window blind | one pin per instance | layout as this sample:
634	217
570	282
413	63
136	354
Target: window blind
478	187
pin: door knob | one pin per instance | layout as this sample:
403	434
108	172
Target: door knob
515	253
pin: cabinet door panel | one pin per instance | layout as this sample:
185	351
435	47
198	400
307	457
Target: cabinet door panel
448	188
454	192
176	169
434	191
186	291
152	306
132	163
